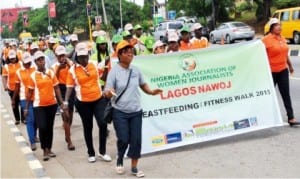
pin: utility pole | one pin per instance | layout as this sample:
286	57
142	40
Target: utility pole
121	16
21	5
97	7
104	12
49	26
88	11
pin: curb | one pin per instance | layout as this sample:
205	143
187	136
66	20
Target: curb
34	164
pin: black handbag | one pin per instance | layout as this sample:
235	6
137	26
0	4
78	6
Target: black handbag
108	111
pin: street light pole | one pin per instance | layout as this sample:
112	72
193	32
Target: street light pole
121	16
97	7
104	12
49	26
89	20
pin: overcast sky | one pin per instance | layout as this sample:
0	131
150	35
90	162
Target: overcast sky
39	3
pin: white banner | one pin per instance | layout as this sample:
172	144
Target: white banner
208	94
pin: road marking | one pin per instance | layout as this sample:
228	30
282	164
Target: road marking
14	129
26	150
4	110
20	139
10	122
34	164
294	78
6	116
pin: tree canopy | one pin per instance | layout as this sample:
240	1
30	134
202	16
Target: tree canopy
72	15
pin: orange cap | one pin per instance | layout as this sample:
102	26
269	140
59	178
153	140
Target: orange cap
133	41
122	45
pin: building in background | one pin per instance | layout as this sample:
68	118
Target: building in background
10	15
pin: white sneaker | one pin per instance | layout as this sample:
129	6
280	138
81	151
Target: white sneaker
105	157
92	159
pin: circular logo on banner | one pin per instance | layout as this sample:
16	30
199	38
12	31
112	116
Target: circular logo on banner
187	62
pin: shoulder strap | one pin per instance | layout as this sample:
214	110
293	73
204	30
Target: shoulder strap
124	88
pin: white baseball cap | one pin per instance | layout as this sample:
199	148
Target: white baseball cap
102	33
196	26
81	49
13	43
128	27
34	46
74	37
51	40
158	44
26	57
274	21
60	50
173	37
95	34
12	54
38	54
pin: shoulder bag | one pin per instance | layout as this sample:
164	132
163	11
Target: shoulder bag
108	111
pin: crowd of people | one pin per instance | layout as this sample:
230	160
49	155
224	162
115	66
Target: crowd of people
46	76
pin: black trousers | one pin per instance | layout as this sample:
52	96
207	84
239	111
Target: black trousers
44	116
86	111
282	80
16	109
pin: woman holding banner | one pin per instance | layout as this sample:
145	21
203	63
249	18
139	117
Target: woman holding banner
277	51
125	79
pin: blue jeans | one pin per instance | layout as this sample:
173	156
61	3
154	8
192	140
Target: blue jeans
31	124
128	127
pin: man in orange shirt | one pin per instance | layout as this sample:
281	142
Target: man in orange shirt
184	43
21	89
277	51
198	41
9	82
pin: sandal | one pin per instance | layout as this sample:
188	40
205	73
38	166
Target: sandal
293	122
51	154
71	147
137	173
120	169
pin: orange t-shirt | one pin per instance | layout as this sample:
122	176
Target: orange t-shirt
19	55
23	77
185	46
277	51
10	70
199	43
5	51
86	82
62	74
43	85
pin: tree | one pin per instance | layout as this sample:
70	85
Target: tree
217	10
70	15
263	11
38	22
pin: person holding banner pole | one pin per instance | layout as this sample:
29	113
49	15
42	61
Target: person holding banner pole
277	51
125	79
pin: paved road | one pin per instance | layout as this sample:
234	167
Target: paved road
268	153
